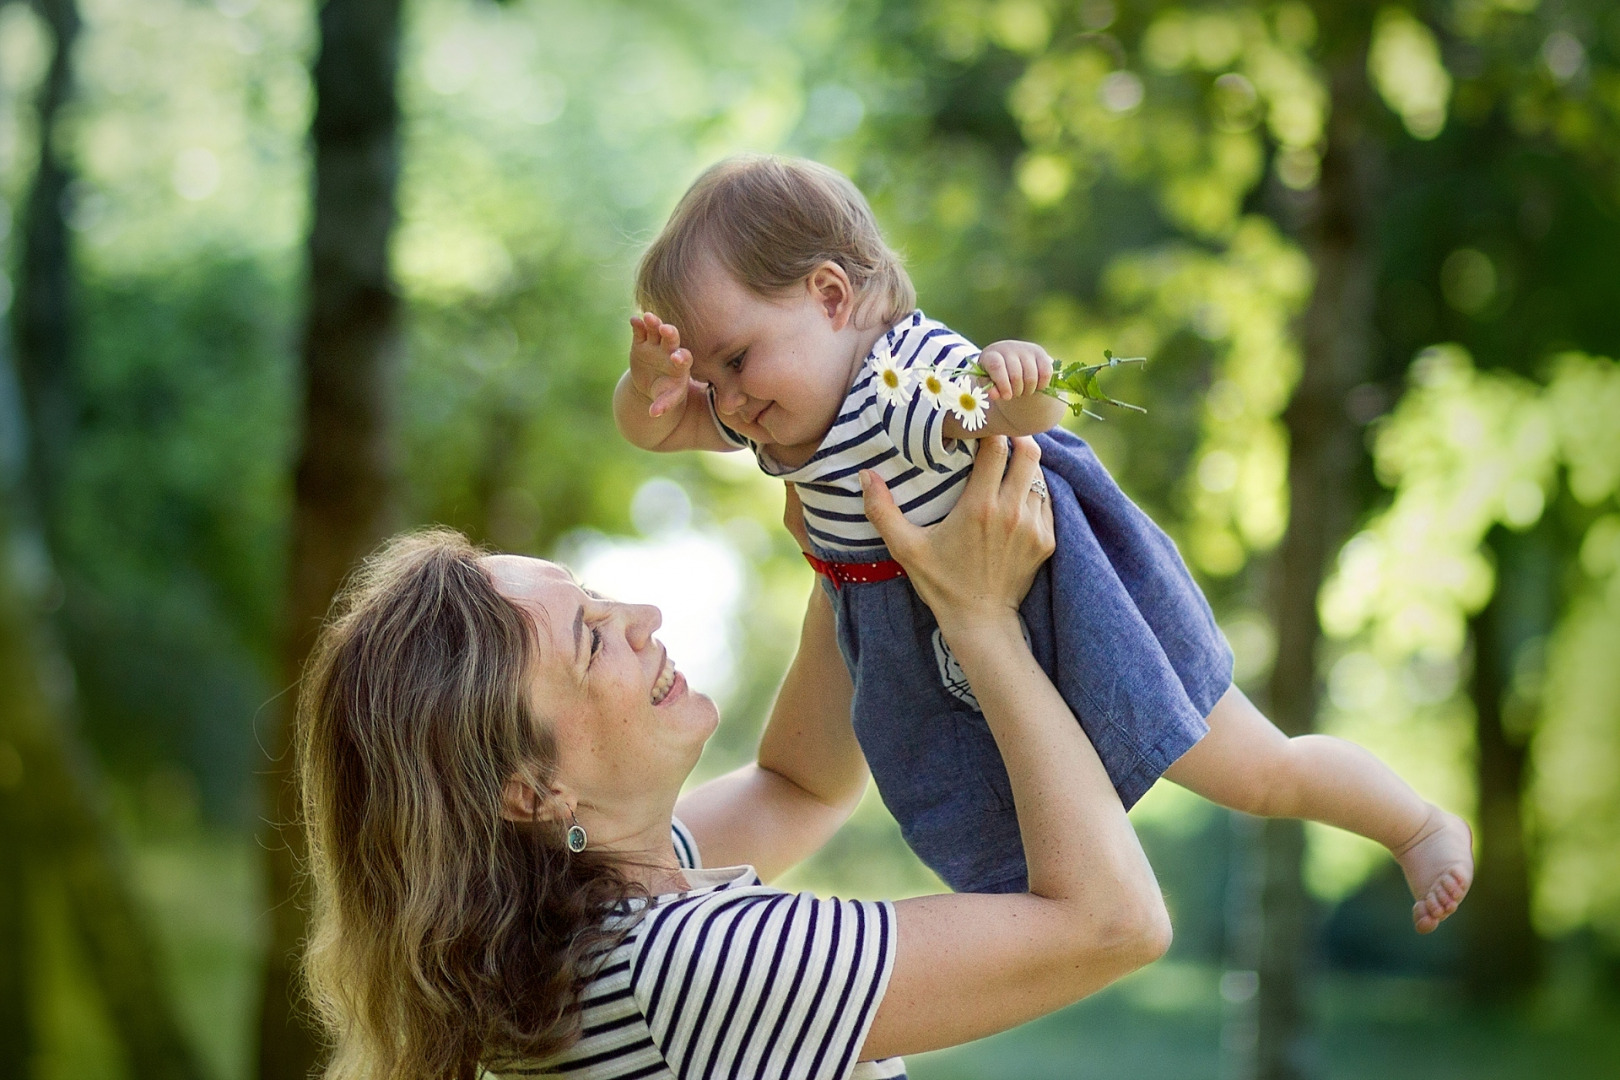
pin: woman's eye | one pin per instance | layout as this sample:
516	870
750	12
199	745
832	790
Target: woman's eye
596	643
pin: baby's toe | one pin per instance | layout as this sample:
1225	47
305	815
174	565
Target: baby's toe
1451	884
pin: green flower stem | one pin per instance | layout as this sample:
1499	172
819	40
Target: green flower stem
1075	383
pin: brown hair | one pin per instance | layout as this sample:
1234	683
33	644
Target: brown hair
445	937
771	221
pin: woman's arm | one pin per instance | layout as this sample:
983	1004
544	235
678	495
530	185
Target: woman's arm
809	774
967	966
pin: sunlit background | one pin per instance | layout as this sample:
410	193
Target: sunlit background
1149	177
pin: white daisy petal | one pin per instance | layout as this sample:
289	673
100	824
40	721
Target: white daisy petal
893	382
969	402
932	386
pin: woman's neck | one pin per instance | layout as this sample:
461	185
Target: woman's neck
643	850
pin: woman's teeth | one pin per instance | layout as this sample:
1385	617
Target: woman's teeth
666	680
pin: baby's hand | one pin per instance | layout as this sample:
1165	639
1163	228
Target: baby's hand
1015	368
660	369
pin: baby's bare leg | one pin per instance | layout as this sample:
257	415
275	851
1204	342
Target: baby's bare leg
1245	763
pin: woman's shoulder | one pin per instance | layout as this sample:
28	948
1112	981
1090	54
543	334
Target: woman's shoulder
734	971
721	971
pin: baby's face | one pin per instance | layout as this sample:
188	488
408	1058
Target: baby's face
778	366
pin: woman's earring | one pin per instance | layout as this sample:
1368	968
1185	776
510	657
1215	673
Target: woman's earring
576	834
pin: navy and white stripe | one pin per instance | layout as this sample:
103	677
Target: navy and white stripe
904	444
686	850
735	980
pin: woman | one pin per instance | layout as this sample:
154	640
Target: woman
506	875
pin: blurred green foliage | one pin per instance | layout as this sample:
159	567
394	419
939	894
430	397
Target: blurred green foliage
1088	174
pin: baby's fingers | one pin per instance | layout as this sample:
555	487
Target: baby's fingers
668	336
995	369
1043	369
667	391
1020	374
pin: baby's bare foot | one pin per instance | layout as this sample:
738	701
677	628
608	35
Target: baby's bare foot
1439	866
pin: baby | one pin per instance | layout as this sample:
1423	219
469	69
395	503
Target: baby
791	310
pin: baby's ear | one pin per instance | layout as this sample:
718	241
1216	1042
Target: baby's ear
831	288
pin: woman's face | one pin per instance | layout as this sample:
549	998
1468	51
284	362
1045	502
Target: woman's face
627	727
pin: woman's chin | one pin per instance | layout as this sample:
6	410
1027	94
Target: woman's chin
707	718
689	710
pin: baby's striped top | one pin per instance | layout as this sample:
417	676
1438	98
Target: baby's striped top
902	443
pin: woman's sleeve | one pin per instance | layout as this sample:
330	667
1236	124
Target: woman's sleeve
758	984
686	849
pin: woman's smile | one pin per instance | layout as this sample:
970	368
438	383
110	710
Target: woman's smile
668	682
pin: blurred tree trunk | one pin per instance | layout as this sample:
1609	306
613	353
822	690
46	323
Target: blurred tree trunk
1324	449
344	479
52	813
16	1019
1503	954
48	786
42	311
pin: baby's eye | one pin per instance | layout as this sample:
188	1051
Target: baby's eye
736	362
596	645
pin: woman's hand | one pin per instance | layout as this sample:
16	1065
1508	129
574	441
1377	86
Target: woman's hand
976	565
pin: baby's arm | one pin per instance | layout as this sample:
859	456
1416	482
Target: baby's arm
1018	372
657	404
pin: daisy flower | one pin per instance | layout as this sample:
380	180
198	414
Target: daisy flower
932	386
969	402
893	381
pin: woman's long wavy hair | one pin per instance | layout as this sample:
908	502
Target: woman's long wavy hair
445	937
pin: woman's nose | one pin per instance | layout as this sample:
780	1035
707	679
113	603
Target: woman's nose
641	622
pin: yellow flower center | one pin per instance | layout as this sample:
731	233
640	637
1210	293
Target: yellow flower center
933	384
969	403
891	379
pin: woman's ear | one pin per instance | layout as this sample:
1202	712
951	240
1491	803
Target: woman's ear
830	287
522	801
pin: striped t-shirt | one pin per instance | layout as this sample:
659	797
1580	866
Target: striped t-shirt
902	443
735	980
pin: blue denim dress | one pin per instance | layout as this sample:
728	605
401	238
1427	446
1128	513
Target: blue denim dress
1114	618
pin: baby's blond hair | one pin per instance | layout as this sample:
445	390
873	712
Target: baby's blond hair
770	221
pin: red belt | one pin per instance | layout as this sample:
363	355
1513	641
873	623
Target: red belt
855	573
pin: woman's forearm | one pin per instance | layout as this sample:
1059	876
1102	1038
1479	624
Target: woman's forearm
1093	911
1078	843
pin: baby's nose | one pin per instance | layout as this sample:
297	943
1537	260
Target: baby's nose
730	400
